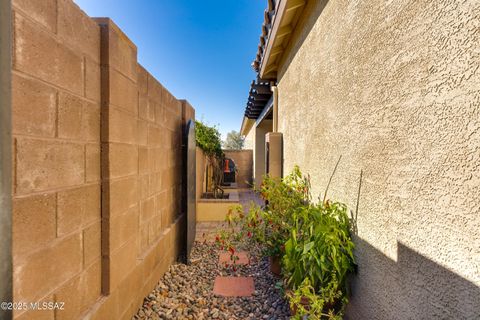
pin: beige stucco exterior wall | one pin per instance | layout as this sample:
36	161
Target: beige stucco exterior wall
259	151
249	140
394	88
250	144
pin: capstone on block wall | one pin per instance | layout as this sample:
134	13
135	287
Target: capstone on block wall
393	87
97	166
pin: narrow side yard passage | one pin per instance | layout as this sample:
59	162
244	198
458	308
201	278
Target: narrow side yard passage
187	291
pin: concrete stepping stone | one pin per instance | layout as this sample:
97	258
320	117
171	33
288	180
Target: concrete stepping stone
224	257
234	286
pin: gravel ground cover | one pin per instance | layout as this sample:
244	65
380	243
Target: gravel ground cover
185	292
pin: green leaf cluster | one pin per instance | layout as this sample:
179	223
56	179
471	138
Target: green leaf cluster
319	252
313	240
208	139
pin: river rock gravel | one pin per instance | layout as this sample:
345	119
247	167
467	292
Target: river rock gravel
186	291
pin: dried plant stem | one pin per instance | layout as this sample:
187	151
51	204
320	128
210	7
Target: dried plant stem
330	180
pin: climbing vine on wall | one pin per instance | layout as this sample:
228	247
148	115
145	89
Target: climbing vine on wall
209	140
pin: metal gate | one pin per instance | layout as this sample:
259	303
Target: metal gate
190	186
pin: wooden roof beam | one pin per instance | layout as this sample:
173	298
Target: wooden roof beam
277	50
294	4
259	97
262	89
284	31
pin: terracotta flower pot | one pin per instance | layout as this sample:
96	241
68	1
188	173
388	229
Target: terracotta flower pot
275	266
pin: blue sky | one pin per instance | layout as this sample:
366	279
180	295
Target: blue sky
200	50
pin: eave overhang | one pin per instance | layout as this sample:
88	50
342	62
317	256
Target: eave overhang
280	20
247	125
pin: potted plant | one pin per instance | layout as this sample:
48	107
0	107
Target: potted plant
313	242
282	197
268	226
318	258
306	301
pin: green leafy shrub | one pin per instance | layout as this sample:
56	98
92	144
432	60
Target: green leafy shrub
313	240
319	252
315	304
209	140
269	226
283	197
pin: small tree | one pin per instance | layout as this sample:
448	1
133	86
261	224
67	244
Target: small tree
234	141
208	139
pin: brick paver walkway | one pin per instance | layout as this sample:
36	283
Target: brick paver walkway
230	286
234	286
247	195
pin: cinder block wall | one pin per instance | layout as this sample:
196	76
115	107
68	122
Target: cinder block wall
97	166
244	161
393	88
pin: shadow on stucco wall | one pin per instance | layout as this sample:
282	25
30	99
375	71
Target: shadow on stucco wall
313	10
413	287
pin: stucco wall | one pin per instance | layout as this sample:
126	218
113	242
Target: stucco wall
250	140
394	88
97	166
200	161
244	162
259	151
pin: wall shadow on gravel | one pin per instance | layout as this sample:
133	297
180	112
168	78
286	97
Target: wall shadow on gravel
413	287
